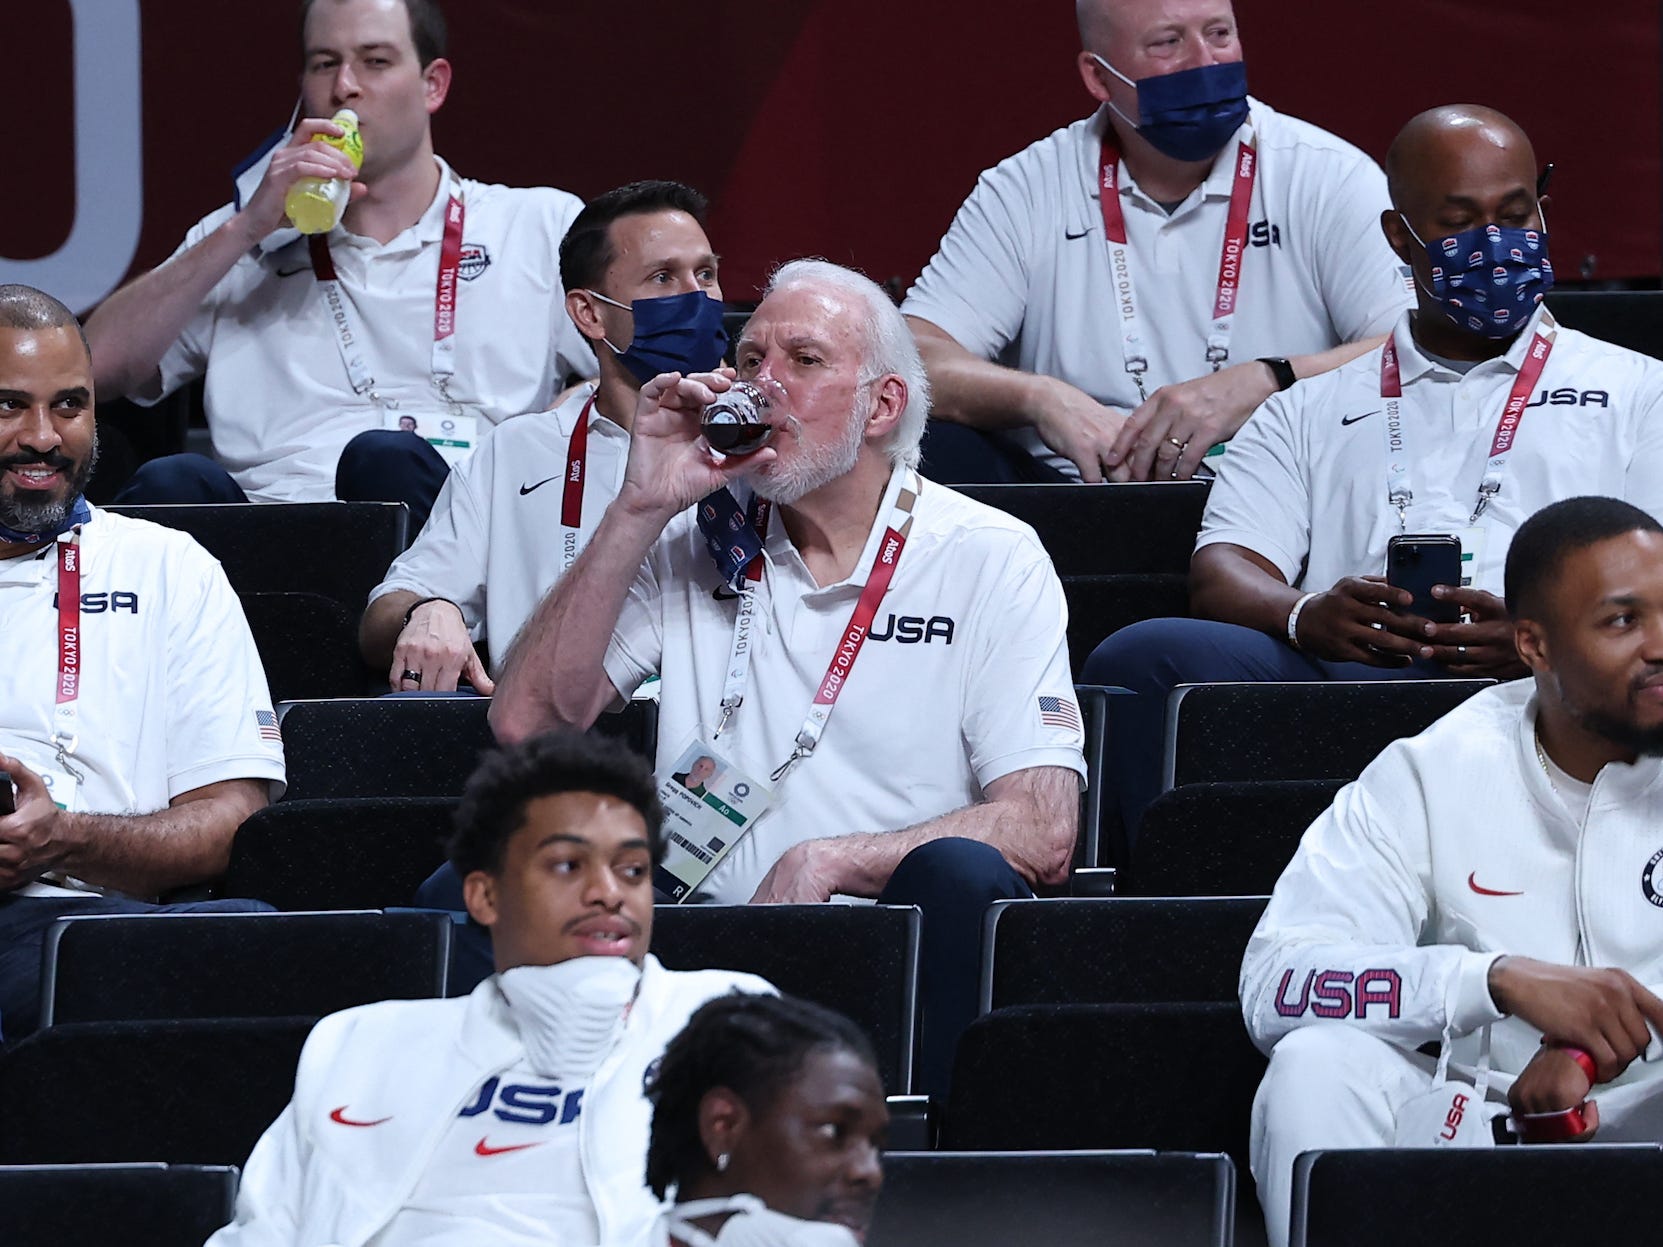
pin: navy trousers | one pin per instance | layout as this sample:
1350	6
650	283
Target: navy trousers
382	465
1154	657
23	923
956	454
952	880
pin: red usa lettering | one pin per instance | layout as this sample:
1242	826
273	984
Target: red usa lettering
1452	1119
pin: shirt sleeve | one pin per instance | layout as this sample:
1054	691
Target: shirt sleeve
187	358
221	723
1338	944
1364	286
637	646
1643	478
975	287
448	558
1019	704
1261	499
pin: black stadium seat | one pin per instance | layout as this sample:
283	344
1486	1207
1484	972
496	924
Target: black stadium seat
1103	530
1115	950
1173	1077
1631	318
180	1092
1101	605
308	645
347	853
1332	730
409	746
149	967
997	1199
1229	839
143	1205
861	960
1458	1197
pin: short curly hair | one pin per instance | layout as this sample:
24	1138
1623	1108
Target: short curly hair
494	801
752	1045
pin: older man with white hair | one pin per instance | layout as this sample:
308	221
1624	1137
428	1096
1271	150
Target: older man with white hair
820	574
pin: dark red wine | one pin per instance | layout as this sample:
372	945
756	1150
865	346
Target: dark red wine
736	423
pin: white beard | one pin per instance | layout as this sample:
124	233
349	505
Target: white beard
815	466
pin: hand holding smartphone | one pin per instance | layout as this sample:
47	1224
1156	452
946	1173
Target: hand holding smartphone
8	795
1416	562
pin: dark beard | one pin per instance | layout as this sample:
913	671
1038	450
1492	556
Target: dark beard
23	514
1643	742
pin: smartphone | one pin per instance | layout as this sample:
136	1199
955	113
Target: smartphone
1416	562
8	795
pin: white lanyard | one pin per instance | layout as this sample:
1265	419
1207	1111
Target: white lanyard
678	1221
70	656
849	644
1229	261
1399	484
349	337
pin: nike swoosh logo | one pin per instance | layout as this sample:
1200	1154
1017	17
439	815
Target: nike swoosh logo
1364	416
1472	882
290	272
526	489
483	1148
723	594
340	1118
1071	237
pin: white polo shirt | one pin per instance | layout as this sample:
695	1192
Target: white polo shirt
1022	275
1305	479
495	542
280	407
943	698
172	691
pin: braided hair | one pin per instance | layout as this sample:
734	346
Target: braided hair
750	1044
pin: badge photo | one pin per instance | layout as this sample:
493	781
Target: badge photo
709	804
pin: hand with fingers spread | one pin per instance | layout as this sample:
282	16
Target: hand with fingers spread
1358	620
1081	429
671	466
1167	436
1605	1012
435	645
299	158
1480	645
32	839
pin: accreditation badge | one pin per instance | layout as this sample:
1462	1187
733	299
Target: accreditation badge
452	433
709	803
1472	552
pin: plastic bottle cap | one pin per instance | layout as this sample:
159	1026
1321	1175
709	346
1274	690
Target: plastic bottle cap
347	113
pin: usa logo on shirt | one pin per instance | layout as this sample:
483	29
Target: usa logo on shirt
473	261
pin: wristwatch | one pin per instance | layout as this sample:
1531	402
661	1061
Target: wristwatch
1281	370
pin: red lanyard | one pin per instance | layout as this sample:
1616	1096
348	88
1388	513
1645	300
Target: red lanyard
1399	491
69	621
860	623
1229	261
577	458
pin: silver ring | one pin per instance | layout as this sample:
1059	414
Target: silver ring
1180	445
408	674
1378	626
1460	649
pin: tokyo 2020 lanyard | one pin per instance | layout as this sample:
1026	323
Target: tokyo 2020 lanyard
1229	262
1399	485
65	735
577	464
849	645
349	338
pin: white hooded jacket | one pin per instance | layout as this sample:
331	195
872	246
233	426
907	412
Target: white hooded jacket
410	1066
1449	851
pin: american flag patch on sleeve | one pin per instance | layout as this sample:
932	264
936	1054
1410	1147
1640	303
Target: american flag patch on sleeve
1060	712
266	721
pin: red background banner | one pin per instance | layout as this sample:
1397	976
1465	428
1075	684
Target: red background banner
845	128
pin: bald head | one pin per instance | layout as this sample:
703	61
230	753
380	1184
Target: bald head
1443	150
24	307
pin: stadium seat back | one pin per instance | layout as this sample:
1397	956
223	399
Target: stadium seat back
198	1092
349	853
146	967
996	1199
861	960
1456	1197
1629	318
1224	839
1107	530
1251	731
1171	1077
1115	950
145	1205
1101	605
308	645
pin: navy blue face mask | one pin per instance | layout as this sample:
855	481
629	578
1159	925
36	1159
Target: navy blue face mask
1191	114
673	333
77	512
1489	279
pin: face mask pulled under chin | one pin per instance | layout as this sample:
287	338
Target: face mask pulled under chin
570	1014
752	1225
1488	280
1191	114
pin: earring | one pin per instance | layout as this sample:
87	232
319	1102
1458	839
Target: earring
722	1163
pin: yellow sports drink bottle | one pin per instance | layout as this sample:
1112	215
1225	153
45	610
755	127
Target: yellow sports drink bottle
315	204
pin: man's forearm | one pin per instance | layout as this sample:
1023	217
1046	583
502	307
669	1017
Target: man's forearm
133	328
1305	366
147	854
973	391
383	621
555	675
1034	828
1234	585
